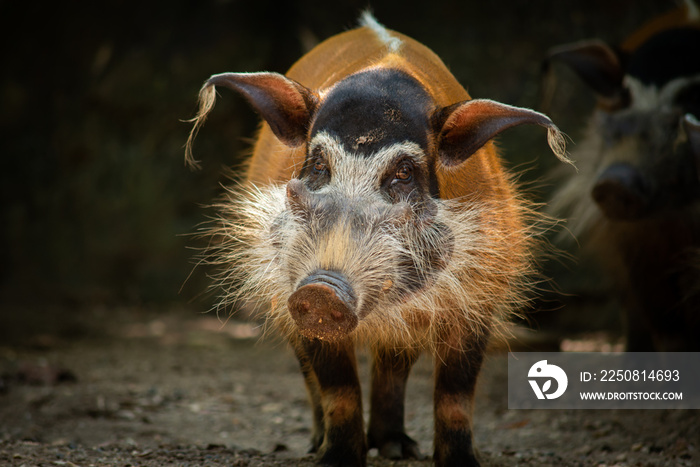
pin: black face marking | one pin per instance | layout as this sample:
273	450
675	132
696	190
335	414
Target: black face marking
375	108
371	110
666	56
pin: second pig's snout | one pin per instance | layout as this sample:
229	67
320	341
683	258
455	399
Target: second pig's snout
621	192
324	306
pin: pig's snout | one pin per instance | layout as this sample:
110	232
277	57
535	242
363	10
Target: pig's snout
621	192
324	306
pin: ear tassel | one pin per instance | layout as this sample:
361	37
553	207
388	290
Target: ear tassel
557	144
207	98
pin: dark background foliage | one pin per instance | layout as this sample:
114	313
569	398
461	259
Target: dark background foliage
96	200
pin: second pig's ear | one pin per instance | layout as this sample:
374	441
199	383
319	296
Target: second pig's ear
463	128
286	105
598	65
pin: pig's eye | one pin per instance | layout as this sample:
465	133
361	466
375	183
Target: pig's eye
402	180
316	171
317	161
404	172
319	165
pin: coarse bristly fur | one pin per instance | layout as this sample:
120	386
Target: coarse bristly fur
479	288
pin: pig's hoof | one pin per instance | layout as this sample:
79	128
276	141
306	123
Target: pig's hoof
346	454
397	446
342	459
316	442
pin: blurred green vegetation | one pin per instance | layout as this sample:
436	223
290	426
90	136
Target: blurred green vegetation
96	200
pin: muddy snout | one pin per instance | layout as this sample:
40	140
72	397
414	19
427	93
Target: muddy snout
621	192
324	306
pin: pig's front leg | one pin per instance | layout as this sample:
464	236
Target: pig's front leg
457	363
386	423
332	370
314	391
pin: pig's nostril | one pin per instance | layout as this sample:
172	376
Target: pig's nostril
336	315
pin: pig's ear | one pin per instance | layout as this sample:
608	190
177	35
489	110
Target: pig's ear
598	65
463	128
286	105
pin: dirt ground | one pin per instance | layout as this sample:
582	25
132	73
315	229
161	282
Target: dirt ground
178	388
